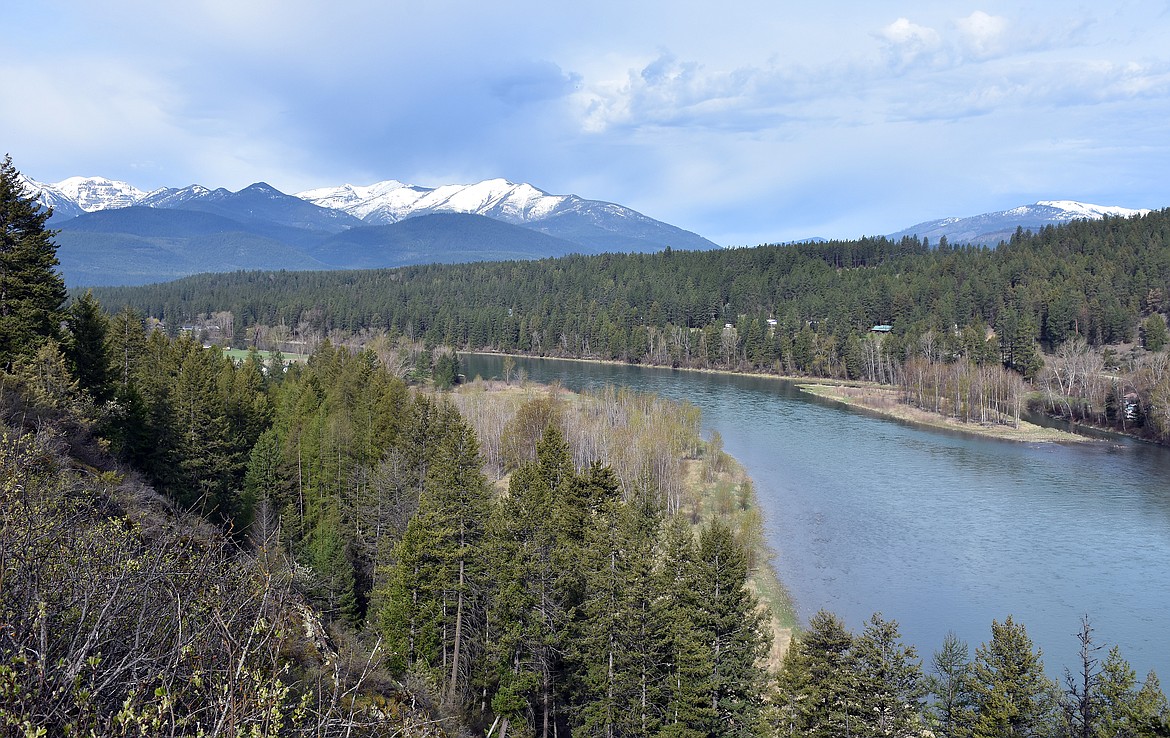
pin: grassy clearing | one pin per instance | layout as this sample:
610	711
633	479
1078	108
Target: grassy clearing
241	354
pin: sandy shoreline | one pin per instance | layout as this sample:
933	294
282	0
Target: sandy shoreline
884	402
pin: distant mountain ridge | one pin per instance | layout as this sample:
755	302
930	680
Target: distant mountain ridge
146	244
381	203
991	228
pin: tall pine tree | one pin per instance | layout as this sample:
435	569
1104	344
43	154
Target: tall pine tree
730	619
31	291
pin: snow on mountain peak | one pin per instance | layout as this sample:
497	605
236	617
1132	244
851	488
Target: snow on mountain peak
1093	212
98	193
391	201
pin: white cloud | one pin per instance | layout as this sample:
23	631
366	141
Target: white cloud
663	91
982	35
907	43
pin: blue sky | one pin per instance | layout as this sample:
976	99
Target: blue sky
746	122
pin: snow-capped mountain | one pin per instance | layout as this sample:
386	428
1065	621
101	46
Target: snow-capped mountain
170	197
63	206
991	228
392	201
98	193
106	227
1083	210
596	224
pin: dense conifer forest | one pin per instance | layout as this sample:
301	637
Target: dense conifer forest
1075	312
195	544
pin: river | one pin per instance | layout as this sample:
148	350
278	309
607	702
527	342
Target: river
939	531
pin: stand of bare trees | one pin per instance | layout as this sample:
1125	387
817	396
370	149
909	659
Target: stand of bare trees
973	393
1074	383
641	437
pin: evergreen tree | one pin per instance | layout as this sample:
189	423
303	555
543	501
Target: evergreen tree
457	502
1154	333
263	482
528	617
334	580
817	684
730	619
31	291
1150	712
47	377
891	687
412	612
951	710
1127	709
644	642
687	710
621	635
599	629
126	347
86	347
446	371
1012	695
125	424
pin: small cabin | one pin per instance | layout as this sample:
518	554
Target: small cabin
881	329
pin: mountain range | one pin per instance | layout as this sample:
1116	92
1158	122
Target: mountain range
110	232
991	228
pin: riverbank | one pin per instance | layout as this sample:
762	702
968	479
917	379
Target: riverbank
723	491
866	396
884	402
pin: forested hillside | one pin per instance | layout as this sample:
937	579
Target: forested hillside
194	545
1093	293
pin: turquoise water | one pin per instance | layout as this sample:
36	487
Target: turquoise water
938	531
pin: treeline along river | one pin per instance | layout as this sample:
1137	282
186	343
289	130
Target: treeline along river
939	531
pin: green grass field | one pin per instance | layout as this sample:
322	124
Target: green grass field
241	354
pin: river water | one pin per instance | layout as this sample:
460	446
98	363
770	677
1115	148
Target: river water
939	531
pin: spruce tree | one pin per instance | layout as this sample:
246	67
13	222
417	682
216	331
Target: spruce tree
125	424
1012	695
730	619
687	710
86	347
817	685
891	688
527	618
619	649
597	644
31	291
412	613
457	495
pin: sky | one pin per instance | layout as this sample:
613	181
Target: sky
749	122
